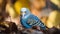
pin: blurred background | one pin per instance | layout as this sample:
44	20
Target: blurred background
10	16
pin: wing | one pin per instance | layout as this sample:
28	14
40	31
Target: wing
35	21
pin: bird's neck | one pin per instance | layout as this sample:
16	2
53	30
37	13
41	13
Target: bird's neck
25	15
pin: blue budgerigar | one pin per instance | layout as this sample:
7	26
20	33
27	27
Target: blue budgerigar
28	20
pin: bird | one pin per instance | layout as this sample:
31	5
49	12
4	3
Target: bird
28	20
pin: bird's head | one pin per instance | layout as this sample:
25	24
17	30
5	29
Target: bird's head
25	11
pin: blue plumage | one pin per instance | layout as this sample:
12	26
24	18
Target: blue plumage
28	20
